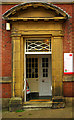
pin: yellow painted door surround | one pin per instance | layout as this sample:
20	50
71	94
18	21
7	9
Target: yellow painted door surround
38	28
18	65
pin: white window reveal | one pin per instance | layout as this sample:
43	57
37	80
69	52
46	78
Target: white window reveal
38	46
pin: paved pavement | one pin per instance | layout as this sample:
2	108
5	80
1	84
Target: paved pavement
66	112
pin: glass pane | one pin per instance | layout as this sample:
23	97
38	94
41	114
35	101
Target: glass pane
46	59
26	75
30	65
46	64
44	70
29	70
36	70
43	59
29	75
29	59
36	59
36	65
43	75
43	64
27	65
36	75
32	75
32	59
46	74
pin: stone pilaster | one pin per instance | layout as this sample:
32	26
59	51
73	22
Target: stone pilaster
57	66
17	66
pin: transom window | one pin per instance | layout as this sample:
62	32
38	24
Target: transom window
38	46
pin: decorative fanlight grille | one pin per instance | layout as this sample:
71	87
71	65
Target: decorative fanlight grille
38	45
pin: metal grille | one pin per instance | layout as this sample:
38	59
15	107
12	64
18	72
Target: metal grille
38	45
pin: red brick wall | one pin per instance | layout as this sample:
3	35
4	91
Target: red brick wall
7	47
67	28
5	92
0	41
6	56
68	43
6	51
68	89
73	28
6	8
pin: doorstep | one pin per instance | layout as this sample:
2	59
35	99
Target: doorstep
56	102
37	104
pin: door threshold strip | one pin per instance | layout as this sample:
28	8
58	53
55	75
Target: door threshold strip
39	100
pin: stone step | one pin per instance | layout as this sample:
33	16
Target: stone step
50	104
37	105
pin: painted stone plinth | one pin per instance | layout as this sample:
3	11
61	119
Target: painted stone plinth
58	102
15	104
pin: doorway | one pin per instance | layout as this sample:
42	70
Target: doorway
39	76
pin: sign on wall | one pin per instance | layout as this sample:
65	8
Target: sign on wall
68	63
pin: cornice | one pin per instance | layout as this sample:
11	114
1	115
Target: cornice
14	3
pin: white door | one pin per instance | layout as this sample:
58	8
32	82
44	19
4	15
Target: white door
45	75
38	73
32	72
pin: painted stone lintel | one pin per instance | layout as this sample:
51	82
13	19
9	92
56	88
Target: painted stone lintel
55	33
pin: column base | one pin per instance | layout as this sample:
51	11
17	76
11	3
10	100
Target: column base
15	104
58	102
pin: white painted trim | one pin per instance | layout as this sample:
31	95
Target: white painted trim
24	75
38	53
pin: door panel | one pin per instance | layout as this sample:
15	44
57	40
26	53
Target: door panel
45	75
32	72
33	84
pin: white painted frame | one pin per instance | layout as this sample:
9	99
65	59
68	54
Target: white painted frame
24	75
38	53
25	53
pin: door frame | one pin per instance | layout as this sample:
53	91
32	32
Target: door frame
36	53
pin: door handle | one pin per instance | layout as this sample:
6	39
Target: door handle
42	80
36	79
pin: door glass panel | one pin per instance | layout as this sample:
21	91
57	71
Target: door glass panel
45	67
32	67
46	64
46	59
